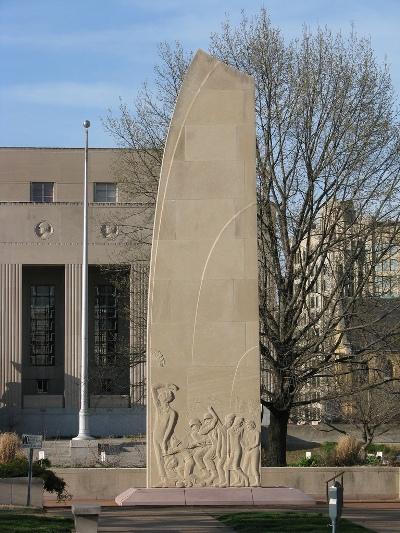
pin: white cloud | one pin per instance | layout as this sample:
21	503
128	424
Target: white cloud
71	94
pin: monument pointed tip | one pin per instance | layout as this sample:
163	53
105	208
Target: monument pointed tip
201	52
202	56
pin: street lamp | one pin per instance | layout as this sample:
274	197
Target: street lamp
84	433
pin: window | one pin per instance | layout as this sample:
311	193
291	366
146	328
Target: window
42	325
105	325
105	192
42	191
386	286
387	370
42	386
106	385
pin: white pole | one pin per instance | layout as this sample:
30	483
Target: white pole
84	433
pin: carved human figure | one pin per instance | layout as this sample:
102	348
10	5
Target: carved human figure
251	452
208	427
198	445
44	229
164	424
234	447
109	230
229	419
187	455
172	464
220	453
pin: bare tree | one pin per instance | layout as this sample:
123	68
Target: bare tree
327	164
328	197
366	414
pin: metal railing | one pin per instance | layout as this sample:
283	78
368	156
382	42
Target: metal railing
333	479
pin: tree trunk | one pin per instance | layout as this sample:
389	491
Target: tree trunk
276	438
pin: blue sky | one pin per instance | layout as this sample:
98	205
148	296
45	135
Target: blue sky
63	61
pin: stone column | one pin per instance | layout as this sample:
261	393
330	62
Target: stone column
72	351
10	335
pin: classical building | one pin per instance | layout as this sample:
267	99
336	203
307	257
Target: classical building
41	217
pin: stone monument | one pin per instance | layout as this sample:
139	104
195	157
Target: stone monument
203	402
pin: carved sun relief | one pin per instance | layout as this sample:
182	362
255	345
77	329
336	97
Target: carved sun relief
212	453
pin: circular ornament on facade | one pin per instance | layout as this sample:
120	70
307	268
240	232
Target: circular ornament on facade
43	229
109	230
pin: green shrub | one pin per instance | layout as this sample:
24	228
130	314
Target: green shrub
314	460
328	447
372	461
373	448
19	466
53	483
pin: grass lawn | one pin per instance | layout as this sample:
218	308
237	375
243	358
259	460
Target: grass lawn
21	521
255	522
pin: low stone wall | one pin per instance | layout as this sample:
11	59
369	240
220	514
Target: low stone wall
14	490
99	483
360	483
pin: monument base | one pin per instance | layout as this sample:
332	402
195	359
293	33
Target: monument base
83	452
246	496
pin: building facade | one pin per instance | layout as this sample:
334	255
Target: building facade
41	216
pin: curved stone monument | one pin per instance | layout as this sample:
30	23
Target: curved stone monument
203	418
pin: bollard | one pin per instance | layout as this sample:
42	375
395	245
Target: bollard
86	518
335	504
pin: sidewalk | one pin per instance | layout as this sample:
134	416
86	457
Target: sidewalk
380	517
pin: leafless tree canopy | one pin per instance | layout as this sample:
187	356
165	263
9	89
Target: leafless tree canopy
328	196
366	414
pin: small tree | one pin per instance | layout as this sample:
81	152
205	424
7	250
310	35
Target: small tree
366	414
327	185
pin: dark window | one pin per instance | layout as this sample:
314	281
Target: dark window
42	191
105	325
106	385
42	386
386	285
387	370
105	192
42	325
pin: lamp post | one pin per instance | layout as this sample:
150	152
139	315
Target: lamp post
84	433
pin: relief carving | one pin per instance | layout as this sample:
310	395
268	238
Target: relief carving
159	358
212	453
237	478
109	230
251	453
164	425
43	229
